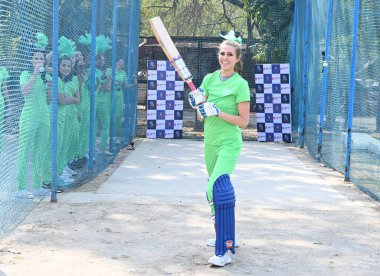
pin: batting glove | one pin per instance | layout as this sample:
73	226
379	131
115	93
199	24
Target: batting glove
208	109
196	97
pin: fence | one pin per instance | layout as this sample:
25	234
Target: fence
68	80
335	55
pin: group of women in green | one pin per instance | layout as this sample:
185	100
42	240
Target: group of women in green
73	121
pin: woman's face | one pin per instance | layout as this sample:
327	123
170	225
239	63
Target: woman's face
227	58
78	56
38	59
120	64
81	69
65	67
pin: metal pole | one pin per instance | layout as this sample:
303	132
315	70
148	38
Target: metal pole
352	89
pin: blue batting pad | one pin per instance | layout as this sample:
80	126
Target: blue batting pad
224	203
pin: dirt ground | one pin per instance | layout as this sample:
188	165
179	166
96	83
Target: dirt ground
144	216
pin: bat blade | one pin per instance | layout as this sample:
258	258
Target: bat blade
170	50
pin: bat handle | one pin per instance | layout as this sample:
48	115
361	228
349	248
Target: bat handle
191	85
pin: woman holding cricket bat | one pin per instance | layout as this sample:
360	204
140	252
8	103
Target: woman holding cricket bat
222	101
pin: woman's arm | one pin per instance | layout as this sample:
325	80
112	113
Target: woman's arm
25	89
240	120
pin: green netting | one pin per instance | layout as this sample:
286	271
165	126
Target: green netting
30	133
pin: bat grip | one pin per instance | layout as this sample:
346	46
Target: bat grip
191	85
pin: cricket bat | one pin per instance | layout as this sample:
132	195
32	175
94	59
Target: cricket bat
171	51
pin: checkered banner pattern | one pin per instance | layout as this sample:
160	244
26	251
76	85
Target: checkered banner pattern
164	101
273	103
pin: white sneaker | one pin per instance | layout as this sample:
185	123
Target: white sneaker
40	192
211	242
220	260
24	194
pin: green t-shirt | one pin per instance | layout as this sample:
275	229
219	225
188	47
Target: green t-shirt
120	78
226	95
35	100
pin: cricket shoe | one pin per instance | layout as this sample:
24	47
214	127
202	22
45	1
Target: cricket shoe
220	260
211	242
24	194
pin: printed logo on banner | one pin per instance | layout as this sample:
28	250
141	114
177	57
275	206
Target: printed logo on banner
268	98
276	68
179	86
161	85
151	133
169	66
152	85
178	124
178	115
260	127
259	88
169	133
152	95
284	78
285	108
259	98
267	68
178	95
161	65
152	104
152	75
152	65
151	124
151	114
169	105
287	137
161	105
160	124
178	77
268	118
278	137
177	134
161	75
170	75
286	128
286	118
161	95
269	137
260	108
284	68
178	105
285	98
277	128
267	78
170	95
258	69
268	89
276	88
169	115
259	79
276	99
276	108
261	136
169	124
285	88
268	107
277	118
260	117
160	133
269	128
170	85
276	78
160	114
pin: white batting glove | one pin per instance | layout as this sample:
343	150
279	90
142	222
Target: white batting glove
208	109
196	97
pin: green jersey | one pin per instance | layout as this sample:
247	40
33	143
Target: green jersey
226	95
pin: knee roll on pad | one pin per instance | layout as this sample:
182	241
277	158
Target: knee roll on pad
224	203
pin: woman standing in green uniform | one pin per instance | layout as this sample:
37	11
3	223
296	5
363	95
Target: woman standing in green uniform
34	123
120	86
224	105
